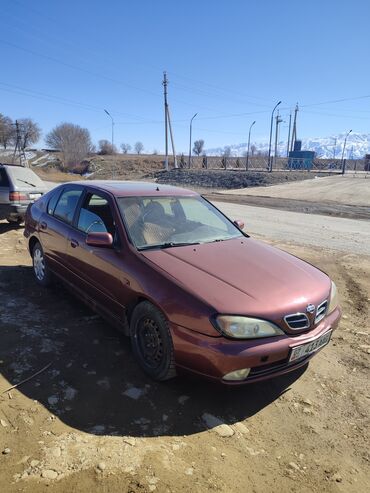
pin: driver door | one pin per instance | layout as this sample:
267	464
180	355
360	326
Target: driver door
97	270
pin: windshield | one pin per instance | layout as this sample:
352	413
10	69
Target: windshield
174	221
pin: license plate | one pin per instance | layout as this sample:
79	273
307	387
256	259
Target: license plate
35	196
309	348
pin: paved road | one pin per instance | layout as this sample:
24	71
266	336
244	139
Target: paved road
348	235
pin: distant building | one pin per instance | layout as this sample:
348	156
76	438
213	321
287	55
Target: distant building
299	159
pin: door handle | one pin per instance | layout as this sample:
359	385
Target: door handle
74	243
43	225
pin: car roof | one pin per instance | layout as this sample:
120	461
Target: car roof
135	188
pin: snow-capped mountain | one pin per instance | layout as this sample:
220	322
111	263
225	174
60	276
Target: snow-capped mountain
325	147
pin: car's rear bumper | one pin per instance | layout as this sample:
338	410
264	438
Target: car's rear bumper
13	211
214	357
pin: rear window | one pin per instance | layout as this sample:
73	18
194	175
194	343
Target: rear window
4	181
25	177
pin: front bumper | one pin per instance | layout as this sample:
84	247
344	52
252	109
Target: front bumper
214	357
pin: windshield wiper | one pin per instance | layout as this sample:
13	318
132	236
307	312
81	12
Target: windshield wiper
169	244
27	182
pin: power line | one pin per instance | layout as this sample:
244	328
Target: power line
219	88
80	69
337	115
57	99
336	101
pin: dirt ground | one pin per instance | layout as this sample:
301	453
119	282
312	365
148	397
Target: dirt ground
93	422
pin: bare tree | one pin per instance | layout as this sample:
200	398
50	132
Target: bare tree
6	131
139	147
227	151
73	141
253	149
105	147
198	147
125	148
30	132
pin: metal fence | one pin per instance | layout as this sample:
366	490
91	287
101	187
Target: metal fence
260	163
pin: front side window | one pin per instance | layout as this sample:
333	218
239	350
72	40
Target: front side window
96	215
169	221
67	204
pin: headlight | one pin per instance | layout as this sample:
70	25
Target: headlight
333	298
246	328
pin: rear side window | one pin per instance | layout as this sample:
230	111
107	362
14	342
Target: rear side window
67	204
53	202
4	180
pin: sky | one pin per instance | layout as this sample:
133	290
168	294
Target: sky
228	61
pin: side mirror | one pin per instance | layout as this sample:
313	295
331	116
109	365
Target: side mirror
99	240
239	223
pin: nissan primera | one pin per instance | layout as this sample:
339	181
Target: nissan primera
191	290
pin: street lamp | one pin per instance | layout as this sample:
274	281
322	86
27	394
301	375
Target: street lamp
249	141
191	124
269	165
344	148
107	112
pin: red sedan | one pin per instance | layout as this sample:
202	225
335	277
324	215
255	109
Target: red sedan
191	289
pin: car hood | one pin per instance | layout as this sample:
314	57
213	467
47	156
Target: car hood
244	276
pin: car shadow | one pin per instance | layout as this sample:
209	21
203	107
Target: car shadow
5	227
93	383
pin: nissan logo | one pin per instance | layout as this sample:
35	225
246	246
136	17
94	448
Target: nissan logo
310	308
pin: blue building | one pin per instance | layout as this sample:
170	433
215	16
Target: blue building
299	159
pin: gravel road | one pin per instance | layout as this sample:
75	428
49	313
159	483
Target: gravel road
348	189
346	235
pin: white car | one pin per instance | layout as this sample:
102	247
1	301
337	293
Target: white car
19	186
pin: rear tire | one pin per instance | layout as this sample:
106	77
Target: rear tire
40	268
152	342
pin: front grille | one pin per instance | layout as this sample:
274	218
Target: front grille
264	370
321	311
297	321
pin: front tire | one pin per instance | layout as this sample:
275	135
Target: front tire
152	342
40	268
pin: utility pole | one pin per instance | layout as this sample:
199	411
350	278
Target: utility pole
294	132
171	135
290	125
18	145
278	121
165	82
335	148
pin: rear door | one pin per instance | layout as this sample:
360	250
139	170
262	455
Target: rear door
55	226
